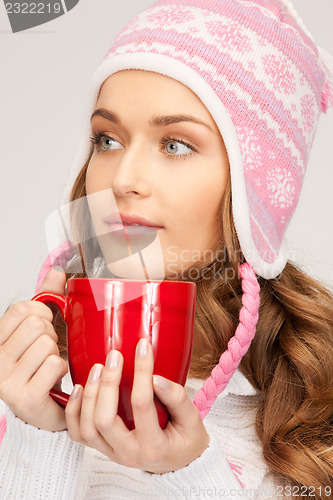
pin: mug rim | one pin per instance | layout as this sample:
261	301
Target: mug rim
131	280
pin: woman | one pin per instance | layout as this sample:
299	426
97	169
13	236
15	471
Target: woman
215	62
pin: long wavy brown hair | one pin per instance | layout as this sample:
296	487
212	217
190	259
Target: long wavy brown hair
290	360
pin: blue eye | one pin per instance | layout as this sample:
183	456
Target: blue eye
104	142
108	143
176	148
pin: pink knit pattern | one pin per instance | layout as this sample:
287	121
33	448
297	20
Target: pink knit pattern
236	468
238	345
57	257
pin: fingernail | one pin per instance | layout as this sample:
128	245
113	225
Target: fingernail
95	373
142	347
112	360
161	382
75	391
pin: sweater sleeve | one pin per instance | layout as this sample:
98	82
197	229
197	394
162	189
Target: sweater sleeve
37	464
210	475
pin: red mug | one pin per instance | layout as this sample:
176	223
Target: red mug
161	311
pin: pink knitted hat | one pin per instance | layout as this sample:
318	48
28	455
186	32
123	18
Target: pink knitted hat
259	73
256	68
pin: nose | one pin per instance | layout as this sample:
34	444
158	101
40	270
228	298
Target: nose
131	175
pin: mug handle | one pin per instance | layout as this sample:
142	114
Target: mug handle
62	303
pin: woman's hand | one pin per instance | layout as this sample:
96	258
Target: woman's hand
92	417
29	359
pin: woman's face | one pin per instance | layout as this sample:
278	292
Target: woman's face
158	150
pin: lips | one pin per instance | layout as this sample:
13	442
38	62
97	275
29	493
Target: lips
131	225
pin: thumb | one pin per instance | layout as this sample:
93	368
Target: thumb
54	281
175	398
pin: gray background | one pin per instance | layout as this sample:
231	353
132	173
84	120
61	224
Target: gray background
45	73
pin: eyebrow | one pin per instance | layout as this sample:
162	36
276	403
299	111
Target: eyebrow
157	121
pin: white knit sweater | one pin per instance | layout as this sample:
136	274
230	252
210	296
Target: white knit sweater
43	465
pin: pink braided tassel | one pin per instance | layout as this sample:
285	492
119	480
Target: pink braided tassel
326	60
238	345
327	97
3	427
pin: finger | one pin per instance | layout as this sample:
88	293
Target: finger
142	398
54	281
87	427
107	421
32	399
182	411
73	413
16	314
25	335
88	430
53	368
34	357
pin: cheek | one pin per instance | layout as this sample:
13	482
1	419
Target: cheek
96	177
201	203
